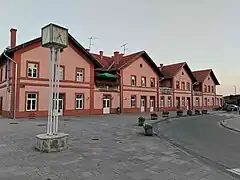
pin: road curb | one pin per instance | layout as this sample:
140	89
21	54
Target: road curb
223	123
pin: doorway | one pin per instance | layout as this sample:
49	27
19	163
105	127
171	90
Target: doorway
106	104
152	103
143	103
178	102
189	103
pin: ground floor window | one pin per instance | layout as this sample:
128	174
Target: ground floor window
169	101
31	102
79	101
197	101
183	101
162	101
213	103
133	101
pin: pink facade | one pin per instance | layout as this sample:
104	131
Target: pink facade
135	83
139	86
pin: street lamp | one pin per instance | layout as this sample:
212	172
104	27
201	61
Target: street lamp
15	86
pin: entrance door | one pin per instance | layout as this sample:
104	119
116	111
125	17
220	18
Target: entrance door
152	103
106	105
188	103
143	103
60	104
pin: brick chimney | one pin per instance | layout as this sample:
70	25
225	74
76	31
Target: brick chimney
101	54
160	67
13	37
116	57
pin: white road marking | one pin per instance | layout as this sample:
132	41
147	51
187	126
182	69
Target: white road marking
235	171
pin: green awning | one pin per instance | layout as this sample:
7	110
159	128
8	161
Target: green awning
107	75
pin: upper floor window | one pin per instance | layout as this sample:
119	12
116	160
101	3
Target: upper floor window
61	73
205	88
188	86
31	104
32	70
133	80
209	89
143	81
80	75
177	85
212	88
183	85
152	81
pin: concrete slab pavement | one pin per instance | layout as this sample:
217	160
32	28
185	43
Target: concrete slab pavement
101	147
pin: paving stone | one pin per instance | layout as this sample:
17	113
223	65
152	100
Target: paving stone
100	147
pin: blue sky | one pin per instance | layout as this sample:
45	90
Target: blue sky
204	33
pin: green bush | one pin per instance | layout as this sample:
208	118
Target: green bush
189	112
179	112
165	114
204	111
141	121
154	116
197	112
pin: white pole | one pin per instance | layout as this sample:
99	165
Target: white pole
55	100
58	78
50	110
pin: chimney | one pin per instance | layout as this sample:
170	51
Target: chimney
88	50
116	57
13	37
101	54
160	67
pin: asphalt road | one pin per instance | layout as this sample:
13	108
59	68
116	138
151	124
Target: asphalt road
204	138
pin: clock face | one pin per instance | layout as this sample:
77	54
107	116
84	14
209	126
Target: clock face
60	36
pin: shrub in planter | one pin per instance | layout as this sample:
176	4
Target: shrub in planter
197	112
189	112
204	111
148	129
179	112
141	121
165	114
154	116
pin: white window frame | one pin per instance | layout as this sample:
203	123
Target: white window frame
133	79
61	73
31	102
133	100
143	81
79	76
170	102
78	100
32	67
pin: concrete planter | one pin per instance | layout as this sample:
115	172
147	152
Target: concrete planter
165	114
148	130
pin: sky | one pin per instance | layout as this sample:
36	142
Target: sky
203	33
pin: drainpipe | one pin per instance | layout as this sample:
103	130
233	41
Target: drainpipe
15	86
120	91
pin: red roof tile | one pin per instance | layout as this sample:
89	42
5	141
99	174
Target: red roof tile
201	75
110	64
171	70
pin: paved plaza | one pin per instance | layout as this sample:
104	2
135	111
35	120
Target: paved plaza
100	148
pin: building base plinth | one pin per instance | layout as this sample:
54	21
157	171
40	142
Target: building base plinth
54	143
